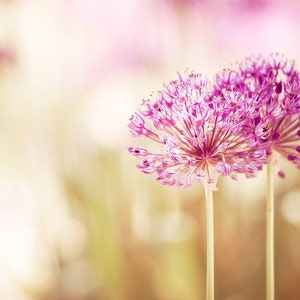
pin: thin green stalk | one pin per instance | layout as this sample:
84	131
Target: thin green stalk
270	233
210	242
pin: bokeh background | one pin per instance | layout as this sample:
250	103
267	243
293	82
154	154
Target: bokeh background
77	219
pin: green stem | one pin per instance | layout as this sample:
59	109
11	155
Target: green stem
210	242
270	233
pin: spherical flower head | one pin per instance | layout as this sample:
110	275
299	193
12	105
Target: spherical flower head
274	85
200	134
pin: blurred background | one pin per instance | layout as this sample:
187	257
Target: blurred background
77	219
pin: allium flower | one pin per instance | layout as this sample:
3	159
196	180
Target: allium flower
201	133
273	84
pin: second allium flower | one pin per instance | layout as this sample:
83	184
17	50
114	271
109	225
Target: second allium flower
197	133
273	84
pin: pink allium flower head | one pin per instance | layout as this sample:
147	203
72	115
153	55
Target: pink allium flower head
274	85
200	133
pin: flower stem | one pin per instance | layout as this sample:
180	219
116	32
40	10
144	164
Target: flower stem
210	242
270	233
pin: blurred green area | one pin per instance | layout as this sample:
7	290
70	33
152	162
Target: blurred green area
77	219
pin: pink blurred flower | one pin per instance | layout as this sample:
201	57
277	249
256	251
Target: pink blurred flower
7	56
201	133
104	38
255	26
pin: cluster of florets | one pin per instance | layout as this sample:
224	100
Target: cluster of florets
227	128
273	84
